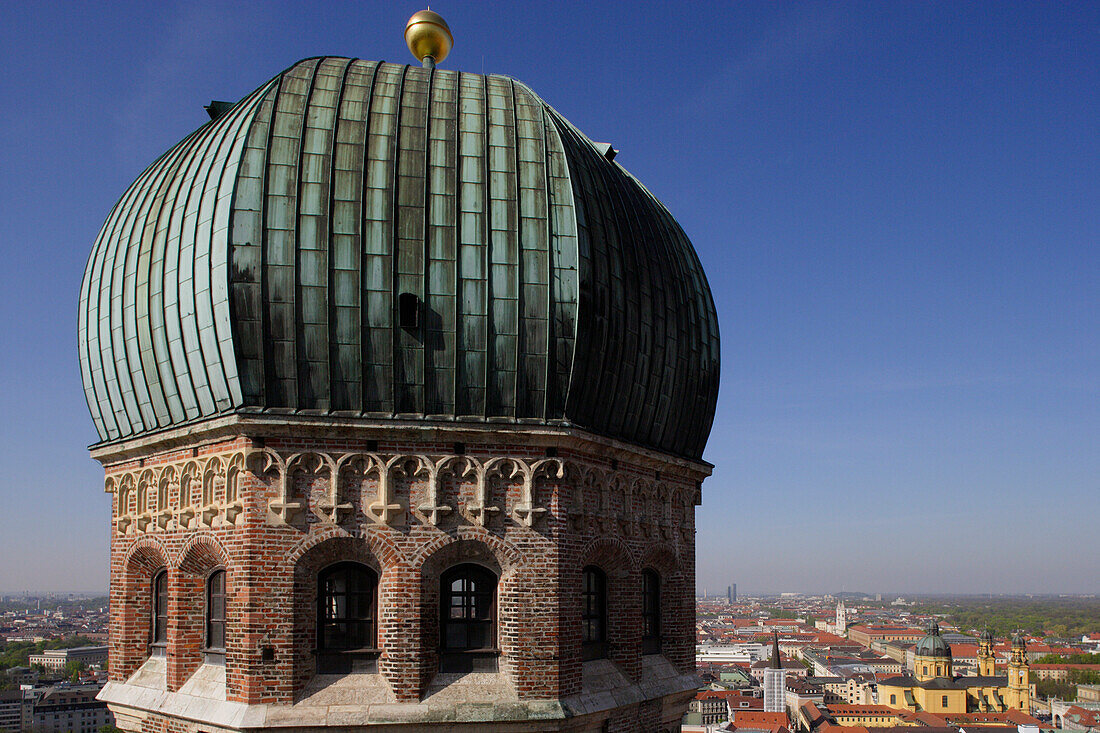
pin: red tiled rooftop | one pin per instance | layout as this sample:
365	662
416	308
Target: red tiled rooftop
758	719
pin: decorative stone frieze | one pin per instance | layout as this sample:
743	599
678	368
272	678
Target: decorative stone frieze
341	470
194	493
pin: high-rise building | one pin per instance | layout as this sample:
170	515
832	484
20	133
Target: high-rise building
775	681
402	386
731	593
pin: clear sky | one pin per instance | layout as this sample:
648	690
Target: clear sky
897	204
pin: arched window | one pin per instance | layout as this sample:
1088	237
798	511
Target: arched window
215	612
158	612
345	616
651	612
467	623
594	614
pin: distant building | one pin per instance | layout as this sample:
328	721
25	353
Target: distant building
56	659
1079	718
793	668
14	711
70	710
866	634
775	688
840	625
746	652
933	687
711	707
1061	672
22	675
801	691
731	593
718	706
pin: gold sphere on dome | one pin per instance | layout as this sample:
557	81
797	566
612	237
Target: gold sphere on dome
427	34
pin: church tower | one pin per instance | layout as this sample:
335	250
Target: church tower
986	659
841	619
775	681
1019	687
402	386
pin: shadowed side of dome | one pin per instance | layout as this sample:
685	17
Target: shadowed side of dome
648	366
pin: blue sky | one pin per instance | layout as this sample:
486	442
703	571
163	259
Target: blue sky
897	204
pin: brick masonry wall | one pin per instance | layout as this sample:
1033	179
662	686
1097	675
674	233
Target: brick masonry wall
617	514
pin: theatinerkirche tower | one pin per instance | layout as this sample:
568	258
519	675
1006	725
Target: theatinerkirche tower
402	385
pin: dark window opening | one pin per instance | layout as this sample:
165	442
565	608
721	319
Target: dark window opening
651	612
346	595
468	619
215	612
159	612
594	614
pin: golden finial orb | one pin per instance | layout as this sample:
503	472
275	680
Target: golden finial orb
428	36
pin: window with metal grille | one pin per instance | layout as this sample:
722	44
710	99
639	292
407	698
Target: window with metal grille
594	614
651	612
159	609
346	595
215	611
468	619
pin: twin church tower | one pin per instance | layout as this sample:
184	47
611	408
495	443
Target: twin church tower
402	385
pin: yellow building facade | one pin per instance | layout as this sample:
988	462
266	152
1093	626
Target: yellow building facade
933	688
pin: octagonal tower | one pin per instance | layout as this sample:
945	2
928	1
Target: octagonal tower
403	386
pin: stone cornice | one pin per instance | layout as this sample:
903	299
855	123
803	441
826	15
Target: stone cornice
226	427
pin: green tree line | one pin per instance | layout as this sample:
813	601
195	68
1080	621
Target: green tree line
1046	617
780	613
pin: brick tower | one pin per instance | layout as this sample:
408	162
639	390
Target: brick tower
402	386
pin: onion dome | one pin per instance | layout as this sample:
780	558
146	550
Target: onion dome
987	637
374	241
933	644
1018	640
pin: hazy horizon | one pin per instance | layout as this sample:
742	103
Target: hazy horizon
896	205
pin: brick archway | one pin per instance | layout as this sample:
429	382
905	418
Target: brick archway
479	547
677	607
197	559
306	562
132	595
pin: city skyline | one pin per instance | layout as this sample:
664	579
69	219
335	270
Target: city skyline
894	204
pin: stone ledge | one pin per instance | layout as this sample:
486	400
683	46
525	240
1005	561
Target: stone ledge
132	704
135	702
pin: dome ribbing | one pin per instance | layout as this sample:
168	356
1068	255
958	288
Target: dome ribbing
373	240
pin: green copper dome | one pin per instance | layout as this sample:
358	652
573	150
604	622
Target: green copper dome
360	239
932	645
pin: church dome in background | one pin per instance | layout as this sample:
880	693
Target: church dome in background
373	241
933	644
